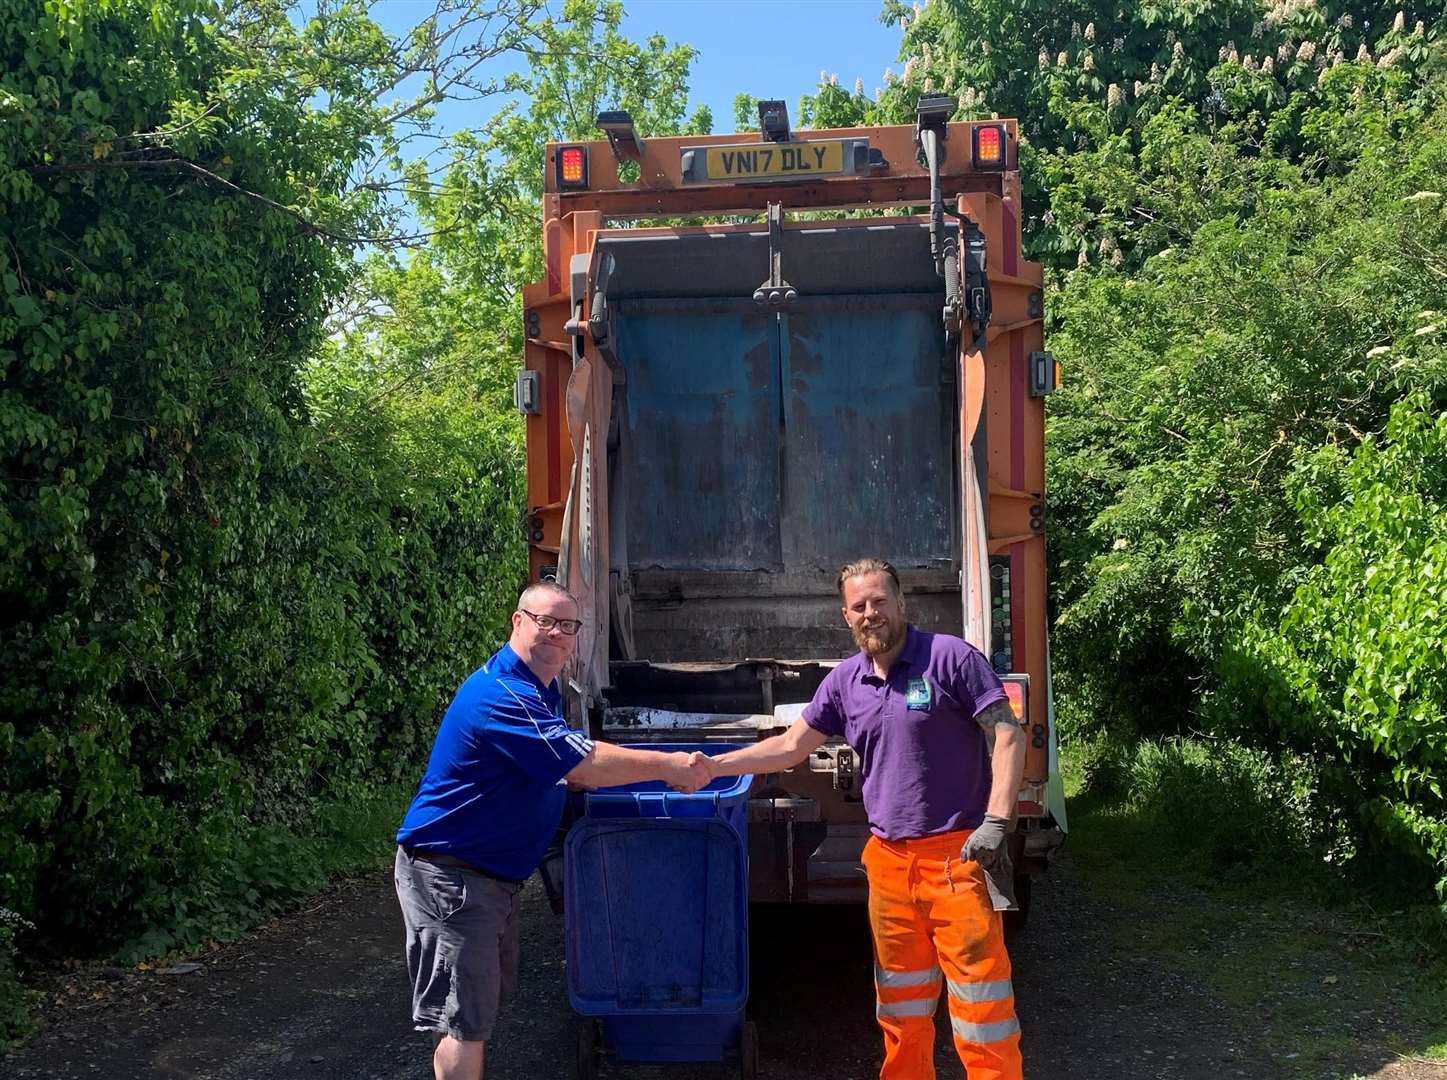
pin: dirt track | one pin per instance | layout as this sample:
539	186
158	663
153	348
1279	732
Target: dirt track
322	995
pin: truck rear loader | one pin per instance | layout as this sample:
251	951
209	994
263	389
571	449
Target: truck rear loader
719	416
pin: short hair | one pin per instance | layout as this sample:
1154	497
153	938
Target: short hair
548	587
870	566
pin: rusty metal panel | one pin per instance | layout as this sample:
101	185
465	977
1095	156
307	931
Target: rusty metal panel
700	439
869	420
764	450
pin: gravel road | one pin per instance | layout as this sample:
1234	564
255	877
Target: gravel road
321	994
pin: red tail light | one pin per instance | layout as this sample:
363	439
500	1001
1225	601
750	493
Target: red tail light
573	166
989	146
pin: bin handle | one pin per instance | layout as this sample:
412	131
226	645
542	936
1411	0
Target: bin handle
655	802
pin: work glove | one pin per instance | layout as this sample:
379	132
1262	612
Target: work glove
986	846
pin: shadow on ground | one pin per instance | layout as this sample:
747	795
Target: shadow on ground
1120	975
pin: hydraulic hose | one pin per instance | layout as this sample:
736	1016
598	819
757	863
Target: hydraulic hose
929	143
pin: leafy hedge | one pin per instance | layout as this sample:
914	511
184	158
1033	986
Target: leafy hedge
1353	672
221	616
1209	501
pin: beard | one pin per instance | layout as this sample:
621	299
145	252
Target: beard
878	640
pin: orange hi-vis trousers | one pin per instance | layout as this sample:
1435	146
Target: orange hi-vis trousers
933	923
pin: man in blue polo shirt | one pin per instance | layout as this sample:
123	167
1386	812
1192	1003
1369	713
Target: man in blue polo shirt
488	805
940	757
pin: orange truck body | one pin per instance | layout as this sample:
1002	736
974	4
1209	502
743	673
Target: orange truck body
720	415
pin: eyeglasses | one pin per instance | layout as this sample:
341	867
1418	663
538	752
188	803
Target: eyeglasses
547	622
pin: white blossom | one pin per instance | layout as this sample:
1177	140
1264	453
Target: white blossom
1088	64
1178	53
1364	54
889	78
1044	58
1307	51
1114	99
858	87
1345	22
1248	62
1268	65
1400	22
1155	73
1420	30
1283	52
910	67
1062	59
1090	31
1140	88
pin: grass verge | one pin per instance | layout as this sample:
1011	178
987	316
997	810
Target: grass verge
1194	845
273	868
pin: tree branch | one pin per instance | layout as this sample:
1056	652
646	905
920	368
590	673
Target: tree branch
311	228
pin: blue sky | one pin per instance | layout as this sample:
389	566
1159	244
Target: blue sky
768	48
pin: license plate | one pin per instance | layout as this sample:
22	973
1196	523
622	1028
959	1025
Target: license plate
775	161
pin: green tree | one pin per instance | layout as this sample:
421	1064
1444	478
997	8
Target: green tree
1353	672
220	615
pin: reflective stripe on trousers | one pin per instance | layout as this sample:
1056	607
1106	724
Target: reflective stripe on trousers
934	928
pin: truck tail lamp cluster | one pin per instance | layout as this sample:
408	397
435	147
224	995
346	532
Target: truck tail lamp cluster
1016	688
572	166
989	146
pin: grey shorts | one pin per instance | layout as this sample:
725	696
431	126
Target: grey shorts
462	946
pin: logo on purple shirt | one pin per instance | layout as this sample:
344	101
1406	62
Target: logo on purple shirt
923	761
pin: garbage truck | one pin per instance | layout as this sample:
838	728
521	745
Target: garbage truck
751	359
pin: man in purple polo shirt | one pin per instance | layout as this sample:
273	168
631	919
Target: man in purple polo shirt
941	757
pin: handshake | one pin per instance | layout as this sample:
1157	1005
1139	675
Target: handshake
688	772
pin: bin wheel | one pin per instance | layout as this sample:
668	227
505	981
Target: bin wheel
749	1050
588	1053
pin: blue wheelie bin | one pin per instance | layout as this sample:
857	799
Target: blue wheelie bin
656	920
